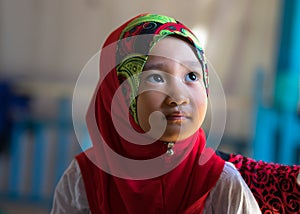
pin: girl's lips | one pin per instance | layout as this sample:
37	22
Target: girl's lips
177	116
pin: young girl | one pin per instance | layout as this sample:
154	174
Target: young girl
145	124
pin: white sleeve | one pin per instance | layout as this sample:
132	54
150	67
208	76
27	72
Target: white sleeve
231	194
70	195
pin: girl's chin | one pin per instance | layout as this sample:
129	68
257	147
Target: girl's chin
175	138
173	133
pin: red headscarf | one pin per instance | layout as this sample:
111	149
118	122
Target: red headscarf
123	177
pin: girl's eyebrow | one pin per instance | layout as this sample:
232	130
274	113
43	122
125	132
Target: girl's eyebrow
192	64
161	65
153	66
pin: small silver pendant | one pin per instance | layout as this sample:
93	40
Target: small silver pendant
170	150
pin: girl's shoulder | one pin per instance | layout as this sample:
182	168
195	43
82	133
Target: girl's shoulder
69	195
231	180
231	194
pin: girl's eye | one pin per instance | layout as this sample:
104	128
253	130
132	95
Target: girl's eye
192	77
155	78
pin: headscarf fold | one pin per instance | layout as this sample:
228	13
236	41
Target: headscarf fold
185	184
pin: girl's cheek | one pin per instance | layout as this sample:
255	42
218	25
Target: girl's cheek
199	94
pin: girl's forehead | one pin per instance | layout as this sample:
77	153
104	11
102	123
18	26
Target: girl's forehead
171	48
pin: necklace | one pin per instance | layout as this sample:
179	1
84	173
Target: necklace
170	150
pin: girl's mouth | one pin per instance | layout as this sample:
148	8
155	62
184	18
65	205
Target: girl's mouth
177	116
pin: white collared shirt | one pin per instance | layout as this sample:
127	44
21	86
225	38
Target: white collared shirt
230	195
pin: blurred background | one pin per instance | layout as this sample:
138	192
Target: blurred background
253	45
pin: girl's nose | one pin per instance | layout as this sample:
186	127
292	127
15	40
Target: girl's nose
177	92
177	99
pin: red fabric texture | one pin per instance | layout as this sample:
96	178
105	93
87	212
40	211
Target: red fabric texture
181	190
273	185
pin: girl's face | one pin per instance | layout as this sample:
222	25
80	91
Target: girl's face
172	84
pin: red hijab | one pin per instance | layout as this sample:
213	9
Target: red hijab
121	176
